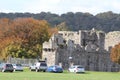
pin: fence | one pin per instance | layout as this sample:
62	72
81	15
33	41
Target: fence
24	62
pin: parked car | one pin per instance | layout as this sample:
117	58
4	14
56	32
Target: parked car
55	68
4	67
32	67
77	69
39	66
17	67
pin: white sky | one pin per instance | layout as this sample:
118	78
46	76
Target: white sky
60	6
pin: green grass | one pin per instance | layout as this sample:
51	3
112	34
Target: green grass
89	75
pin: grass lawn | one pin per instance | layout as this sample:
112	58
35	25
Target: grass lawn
89	75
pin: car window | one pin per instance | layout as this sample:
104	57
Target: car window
72	67
43	64
51	67
13	64
79	66
57	66
18	65
8	65
2	64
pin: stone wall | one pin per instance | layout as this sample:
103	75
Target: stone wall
84	47
50	56
95	61
112	38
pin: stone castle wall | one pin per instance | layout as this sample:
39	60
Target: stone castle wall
87	48
94	61
112	38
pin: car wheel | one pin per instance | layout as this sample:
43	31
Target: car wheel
14	70
44	70
3	70
75	71
61	72
68	70
30	69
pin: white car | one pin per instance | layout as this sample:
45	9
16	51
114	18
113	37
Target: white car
32	67
39	66
77	69
17	67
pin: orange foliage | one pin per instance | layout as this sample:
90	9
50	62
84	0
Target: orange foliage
6	42
25	31
115	54
53	31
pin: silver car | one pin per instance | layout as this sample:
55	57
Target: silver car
17	67
77	69
32	67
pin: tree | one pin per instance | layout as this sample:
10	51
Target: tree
115	54
23	37
62	27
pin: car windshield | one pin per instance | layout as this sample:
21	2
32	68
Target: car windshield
57	66
18	65
79	67
9	65
43	64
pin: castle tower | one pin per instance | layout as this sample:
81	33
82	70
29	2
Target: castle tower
101	40
49	49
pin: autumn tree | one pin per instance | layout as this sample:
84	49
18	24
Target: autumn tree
115	54
23	37
33	33
9	47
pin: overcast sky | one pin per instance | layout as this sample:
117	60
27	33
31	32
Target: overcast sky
60	6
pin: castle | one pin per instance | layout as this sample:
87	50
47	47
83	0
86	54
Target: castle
90	48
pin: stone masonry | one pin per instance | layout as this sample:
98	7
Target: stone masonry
89	48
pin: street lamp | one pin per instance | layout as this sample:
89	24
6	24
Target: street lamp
70	61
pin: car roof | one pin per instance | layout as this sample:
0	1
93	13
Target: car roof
77	65
55	66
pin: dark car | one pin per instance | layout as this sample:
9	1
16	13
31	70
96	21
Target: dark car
4	67
55	68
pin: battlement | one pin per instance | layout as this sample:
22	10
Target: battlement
90	40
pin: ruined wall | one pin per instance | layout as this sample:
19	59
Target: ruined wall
85	48
95	61
50	56
70	35
111	39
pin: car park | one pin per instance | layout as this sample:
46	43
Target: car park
55	68
17	67
6	67
77	69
